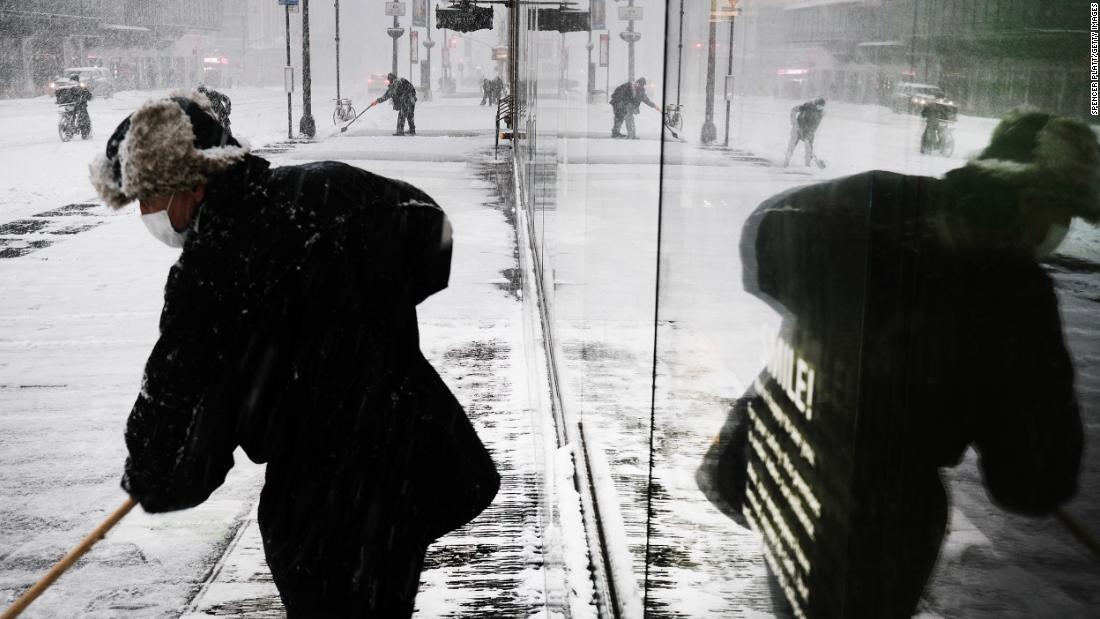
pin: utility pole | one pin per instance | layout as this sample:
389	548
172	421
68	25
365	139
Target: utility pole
395	31
428	65
630	37
590	80
680	57
306	126
288	76
710	132
337	52
729	71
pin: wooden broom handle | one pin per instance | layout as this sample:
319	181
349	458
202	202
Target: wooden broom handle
65	563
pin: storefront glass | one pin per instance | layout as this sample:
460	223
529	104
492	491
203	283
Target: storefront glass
782	322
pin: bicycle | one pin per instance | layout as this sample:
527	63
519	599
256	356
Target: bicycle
343	112
941	140
73	119
672	116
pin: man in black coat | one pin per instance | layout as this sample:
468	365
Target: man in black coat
805	118
78	95
625	102
403	94
932	326
289	328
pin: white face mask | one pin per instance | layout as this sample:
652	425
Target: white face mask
160	226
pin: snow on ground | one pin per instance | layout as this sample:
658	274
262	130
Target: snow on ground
599	231
80	316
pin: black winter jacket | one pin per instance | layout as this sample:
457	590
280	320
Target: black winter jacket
923	346
402	92
289	328
629	98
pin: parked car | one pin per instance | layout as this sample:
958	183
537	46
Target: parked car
377	84
96	79
911	98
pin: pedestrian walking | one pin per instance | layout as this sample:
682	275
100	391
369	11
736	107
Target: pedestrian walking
403	94
919	301
289	328
625	102
496	89
805	119
220	103
486	92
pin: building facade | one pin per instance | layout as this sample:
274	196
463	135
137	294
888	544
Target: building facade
144	43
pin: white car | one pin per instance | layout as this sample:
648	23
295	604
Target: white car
96	79
911	98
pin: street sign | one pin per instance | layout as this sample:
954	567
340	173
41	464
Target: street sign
500	53
288	2
288	79
605	49
414	49
729	87
395	9
597	10
420	13
562	20
630	13
466	19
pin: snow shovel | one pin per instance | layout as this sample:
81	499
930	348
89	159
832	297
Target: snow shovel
65	563
342	130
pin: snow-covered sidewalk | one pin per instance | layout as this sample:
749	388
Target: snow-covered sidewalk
81	315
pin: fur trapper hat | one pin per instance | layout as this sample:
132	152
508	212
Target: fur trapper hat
166	145
1054	158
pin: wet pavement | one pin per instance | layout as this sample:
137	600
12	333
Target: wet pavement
496	566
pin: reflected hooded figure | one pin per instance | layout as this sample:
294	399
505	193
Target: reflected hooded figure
289	328
922	305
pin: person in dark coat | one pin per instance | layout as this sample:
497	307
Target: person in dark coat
805	119
78	95
220	103
496	90
289	328
922	303
936	114
626	101
486	92
403	94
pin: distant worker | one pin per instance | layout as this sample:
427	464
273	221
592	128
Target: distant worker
220	103
626	102
403	95
936	115
73	97
486	92
805	119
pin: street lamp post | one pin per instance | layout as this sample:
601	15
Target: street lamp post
590	80
729	72
631	37
288	76
337	3
428	45
710	132
306	125
395	33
